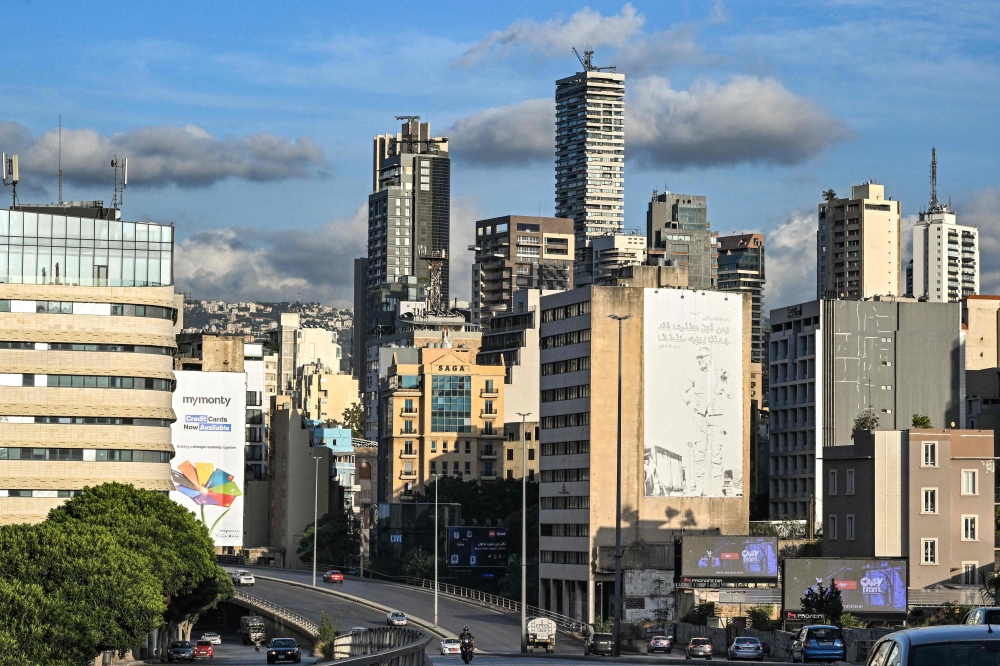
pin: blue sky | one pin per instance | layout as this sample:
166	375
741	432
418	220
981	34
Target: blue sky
249	124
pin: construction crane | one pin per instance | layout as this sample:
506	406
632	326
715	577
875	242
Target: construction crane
587	60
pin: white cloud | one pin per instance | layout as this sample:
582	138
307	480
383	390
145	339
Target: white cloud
556	36
515	134
790	261
464	213
982	210
165	155
747	120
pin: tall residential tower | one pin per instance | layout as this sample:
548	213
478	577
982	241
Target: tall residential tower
741	269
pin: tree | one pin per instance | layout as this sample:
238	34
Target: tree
339	539
354	418
825	601
760	617
418	563
866	420
699	614
328	634
829	195
920	421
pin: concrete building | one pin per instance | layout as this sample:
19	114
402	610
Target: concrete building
921	494
857	245
360	324
833	360
590	157
270	376
678	231
87	353
343	473
945	264
741	269
323	394
680	467
612	252
440	415
517	252
257	413
205	352
288	329
317	346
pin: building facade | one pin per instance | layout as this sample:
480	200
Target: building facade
87	355
741	269
678	231
858	250
590	157
323	394
612	252
945	263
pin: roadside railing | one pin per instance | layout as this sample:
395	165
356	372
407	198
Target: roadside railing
385	646
306	626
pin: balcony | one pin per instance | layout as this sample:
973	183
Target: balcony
407	433
486	393
407	455
491	435
408	476
489	477
487	415
407	412
487	456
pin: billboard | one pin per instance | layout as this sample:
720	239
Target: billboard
866	586
730	557
693	409
208	438
475	547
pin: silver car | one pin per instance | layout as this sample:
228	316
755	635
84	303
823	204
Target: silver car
396	619
746	647
700	648
936	646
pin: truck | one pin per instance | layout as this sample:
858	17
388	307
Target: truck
252	629
541	634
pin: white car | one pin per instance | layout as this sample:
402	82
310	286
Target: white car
396	619
243	578
211	637
451	646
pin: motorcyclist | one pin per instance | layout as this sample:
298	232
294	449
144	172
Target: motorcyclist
468	643
256	643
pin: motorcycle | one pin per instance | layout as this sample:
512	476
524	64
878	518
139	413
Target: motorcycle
467	649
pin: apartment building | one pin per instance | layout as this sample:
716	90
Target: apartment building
441	415
612	252
323	394
741	269
88	326
921	494
685	439
678	233
858	250
831	361
517	252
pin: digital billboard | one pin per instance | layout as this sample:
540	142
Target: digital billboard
476	547
693	409
209	438
866	586
730	557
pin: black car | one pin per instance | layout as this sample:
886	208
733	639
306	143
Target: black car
283	649
179	650
599	644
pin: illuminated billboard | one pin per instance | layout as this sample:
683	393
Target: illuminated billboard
476	547
693	405
753	558
866	586
208	439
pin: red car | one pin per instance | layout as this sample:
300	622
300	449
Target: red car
333	576
203	649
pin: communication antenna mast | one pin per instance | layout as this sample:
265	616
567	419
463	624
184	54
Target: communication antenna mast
587	60
11	174
60	159
435	263
934	200
121	180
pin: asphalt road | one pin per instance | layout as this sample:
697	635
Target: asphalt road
233	653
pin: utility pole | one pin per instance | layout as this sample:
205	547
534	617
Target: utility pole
315	516
524	534
436	479
616	646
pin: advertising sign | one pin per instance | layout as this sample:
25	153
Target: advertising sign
866	586
476	547
728	558
693	411
208	439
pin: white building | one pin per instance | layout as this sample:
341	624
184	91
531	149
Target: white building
615	251
257	413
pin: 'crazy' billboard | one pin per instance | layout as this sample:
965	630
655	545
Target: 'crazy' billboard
730	557
866	586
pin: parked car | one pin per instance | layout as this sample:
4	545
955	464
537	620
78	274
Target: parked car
989	615
283	649
243	578
203	649
940	645
746	647
451	646
700	648
333	576
599	644
818	642
351	571
396	619
180	650
660	643
211	637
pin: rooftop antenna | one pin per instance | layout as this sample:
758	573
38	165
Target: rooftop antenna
934	200
11	174
60	159
121	180
587	60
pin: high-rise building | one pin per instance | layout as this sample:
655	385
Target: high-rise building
590	157
518	252
857	245
678	231
741	269
945	264
612	252
409	220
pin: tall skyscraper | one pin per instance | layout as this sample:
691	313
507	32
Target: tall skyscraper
945	254
677	229
857	245
741	269
590	157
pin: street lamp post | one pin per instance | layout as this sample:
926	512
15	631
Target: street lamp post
524	534
436	479
315	516
616	647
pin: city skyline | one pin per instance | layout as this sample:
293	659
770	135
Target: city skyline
239	138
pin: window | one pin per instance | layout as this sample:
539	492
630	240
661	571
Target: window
531	475
970	482
833	482
930	454
565	420
531	454
489	386
850	482
833	526
408	447
929	548
468	446
969	528
569	365
930	500
510	474
451	403
434	446
566	393
565	312
408	405
565	502
969	572
510	454
849	527
563	339
433	467
565	448
468	467
455	467
408	427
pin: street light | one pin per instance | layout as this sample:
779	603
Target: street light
436	478
315	516
616	647
524	534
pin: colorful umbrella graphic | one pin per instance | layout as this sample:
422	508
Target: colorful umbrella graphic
206	485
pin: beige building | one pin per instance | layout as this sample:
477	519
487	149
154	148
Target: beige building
981	321
86	358
922	494
857	245
323	394
440	415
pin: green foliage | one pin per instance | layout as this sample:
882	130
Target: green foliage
848	621
339	539
825	601
602	626
921	421
481	501
699	614
327	634
418	563
947	614
829	195
354	418
866	420
760	617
